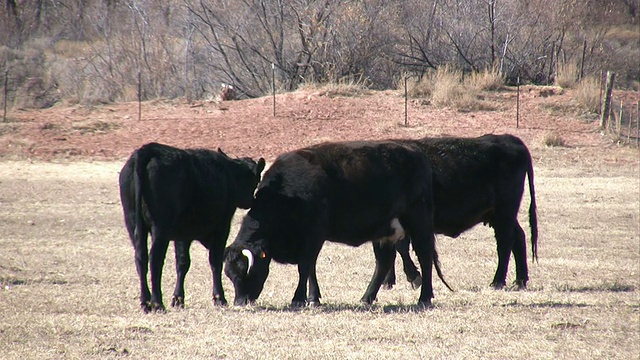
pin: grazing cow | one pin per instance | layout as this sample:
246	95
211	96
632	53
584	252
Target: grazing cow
480	180
350	193
182	195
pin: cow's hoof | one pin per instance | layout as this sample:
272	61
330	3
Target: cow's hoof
367	301
313	303
498	286
298	304
387	286
425	304
146	307
156	307
417	282
177	302
219	301
520	284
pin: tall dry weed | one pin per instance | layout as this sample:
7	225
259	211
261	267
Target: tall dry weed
567	75
487	80
588	94
348	86
447	87
417	88
449	90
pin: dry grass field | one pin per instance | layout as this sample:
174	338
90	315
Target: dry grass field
69	288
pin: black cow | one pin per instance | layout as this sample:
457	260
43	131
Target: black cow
182	195
351	193
480	180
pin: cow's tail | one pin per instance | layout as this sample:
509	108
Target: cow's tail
141	181
533	217
436	264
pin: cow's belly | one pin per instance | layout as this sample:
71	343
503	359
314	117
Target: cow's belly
452	225
385	231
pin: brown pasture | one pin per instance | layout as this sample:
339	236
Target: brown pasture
69	288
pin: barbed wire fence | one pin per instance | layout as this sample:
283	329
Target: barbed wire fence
620	118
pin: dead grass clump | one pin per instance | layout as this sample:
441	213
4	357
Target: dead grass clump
444	87
553	139
417	88
48	126
486	80
71	48
447	88
95	127
588	94
7	128
348	86
567	75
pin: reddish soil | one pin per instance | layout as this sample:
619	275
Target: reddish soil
249	128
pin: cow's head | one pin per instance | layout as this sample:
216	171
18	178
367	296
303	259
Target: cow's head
247	177
247	269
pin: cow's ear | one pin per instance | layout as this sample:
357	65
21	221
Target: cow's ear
221	152
261	165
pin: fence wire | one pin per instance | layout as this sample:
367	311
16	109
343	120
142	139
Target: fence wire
623	124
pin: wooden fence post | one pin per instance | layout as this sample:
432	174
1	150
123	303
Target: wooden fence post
604	117
139	97
584	50
406	100
273	86
553	50
629	128
620	122
4	97
637	124
518	103
601	83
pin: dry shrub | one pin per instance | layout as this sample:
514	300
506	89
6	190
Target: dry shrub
486	80
567	75
588	94
444	88
447	88
30	83
347	86
71	49
417	87
450	91
553	139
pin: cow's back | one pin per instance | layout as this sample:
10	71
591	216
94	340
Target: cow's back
350	191
474	178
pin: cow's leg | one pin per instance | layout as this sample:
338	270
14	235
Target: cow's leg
504	231
306	267
183	262
215	245
385	253
520	257
424	246
142	266
390	279
409	267
314	289
216	256
419	224
301	290
157	255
